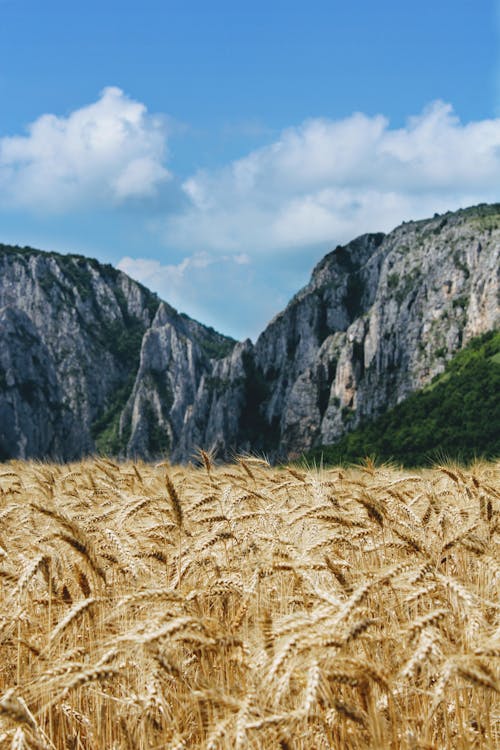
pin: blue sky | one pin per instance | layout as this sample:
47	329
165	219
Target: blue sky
215	151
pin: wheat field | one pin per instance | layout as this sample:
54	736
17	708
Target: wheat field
245	606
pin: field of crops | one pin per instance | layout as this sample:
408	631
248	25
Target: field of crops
248	607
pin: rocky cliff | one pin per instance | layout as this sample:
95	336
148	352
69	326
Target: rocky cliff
89	359
71	331
379	318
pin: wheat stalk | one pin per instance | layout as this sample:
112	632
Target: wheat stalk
248	606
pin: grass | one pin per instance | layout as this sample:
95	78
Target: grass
248	607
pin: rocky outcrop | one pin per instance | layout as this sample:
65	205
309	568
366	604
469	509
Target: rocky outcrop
32	420
80	325
91	360
173	361
379	318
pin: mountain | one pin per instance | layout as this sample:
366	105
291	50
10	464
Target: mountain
378	320
456	416
71	332
90	360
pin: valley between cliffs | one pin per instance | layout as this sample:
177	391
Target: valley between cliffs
91	361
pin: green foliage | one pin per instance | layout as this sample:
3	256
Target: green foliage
105	429
219	385
216	346
457	416
159	381
393	280
76	269
482	210
158	439
487	217
462	302
17	250
410	282
347	414
459	263
213	344
123	339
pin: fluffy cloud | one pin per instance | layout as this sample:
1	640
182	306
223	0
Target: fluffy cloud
217	290
172	275
328	181
108	151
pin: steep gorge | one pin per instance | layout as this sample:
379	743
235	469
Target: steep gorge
378	320
91	360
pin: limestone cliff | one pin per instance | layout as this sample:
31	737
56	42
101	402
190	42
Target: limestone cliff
71	331
91	360
379	318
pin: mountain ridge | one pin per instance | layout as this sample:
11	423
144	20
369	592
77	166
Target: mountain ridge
378	319
454	417
90	319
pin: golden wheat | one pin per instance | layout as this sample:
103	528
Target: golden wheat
244	606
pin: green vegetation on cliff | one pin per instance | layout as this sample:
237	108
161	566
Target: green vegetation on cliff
457	416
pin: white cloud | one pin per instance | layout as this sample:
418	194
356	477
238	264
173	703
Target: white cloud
152	273
107	152
205	286
328	181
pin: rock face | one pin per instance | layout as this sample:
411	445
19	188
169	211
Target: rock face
175	356
379	318
71	331
32	420
89	359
